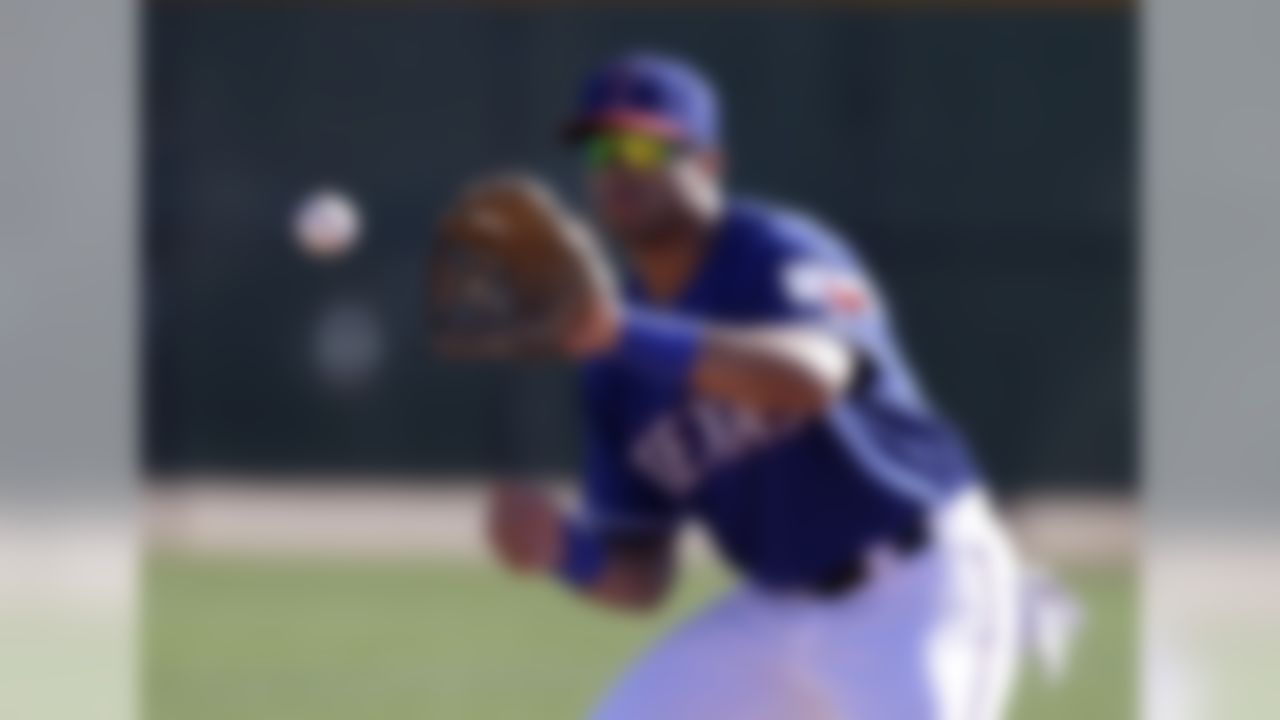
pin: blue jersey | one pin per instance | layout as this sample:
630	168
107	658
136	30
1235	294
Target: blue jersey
785	501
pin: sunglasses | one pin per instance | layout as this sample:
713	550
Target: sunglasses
627	150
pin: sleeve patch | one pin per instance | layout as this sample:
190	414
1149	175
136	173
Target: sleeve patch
813	285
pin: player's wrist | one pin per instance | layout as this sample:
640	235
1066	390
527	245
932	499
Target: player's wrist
583	555
657	343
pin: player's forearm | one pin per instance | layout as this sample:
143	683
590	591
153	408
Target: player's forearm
794	371
625	573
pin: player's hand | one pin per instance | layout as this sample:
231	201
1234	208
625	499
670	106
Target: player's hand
595	331
525	529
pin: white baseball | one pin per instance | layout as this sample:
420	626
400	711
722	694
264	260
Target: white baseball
327	224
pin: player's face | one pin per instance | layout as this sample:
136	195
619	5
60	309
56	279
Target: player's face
641	185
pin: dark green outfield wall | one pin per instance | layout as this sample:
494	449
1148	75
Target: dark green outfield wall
985	161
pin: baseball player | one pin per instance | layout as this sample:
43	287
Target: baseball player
746	374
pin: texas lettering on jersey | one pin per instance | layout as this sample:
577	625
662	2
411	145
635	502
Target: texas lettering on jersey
679	448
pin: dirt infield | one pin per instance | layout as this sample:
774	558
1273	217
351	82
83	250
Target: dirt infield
208	514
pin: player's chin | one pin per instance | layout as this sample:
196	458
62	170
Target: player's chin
629	213
653	237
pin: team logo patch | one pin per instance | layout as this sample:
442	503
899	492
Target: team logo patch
821	286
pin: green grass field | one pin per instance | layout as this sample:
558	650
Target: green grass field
259	639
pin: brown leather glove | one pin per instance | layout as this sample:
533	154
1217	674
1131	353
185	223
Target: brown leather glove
510	271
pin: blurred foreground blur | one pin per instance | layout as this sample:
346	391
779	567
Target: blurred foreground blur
967	139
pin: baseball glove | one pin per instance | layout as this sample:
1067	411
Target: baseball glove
509	271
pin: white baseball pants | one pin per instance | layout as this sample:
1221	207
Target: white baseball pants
930	637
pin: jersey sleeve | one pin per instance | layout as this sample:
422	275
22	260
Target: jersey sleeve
615	497
809	275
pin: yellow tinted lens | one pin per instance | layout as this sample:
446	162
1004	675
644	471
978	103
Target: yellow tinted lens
641	152
633	151
599	151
